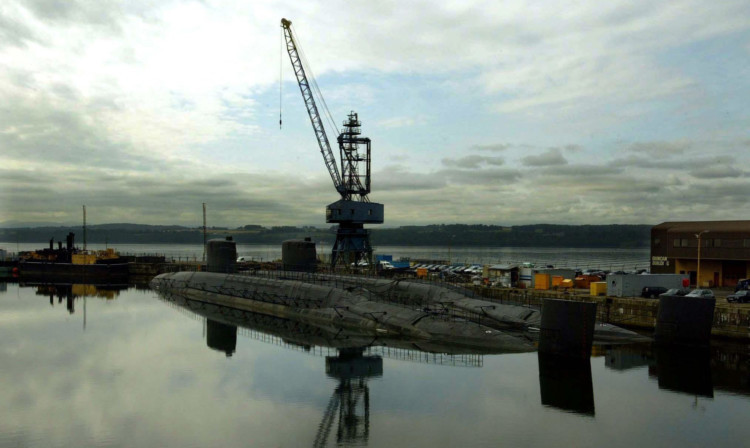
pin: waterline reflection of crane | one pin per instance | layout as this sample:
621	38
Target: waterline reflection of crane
354	209
351	398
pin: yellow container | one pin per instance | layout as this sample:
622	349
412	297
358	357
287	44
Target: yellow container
421	272
557	280
83	259
598	288
567	283
541	281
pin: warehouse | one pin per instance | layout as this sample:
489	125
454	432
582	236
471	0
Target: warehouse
712	253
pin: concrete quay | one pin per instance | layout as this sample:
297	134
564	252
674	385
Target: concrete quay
730	320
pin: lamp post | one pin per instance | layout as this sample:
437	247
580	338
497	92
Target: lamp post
698	271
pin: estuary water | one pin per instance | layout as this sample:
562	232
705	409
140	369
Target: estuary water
120	366
606	258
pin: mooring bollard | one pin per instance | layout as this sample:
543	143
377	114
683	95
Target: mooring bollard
567	328
221	256
684	320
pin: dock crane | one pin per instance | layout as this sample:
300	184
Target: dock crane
354	209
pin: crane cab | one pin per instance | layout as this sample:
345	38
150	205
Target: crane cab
355	212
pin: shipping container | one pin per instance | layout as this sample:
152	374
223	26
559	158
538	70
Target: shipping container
631	285
598	288
541	281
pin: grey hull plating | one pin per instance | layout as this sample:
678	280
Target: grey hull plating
328	306
503	317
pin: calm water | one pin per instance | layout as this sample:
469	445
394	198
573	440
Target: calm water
99	367
611	259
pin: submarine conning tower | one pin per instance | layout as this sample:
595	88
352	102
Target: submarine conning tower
221	256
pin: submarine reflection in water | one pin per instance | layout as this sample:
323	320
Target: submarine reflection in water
357	358
565	384
221	337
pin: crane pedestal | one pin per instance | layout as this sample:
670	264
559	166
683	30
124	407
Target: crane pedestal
352	245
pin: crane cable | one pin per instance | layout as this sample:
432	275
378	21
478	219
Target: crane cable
314	83
281	65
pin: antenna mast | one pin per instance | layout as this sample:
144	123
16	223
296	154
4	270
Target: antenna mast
84	227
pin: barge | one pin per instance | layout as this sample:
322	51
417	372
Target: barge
69	262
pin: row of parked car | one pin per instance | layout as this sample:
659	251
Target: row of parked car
473	269
653	292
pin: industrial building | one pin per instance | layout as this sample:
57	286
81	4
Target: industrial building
712	253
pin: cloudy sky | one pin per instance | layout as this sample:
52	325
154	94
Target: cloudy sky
489	112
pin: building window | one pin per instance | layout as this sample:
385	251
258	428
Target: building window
746	243
676	242
684	242
657	241
717	242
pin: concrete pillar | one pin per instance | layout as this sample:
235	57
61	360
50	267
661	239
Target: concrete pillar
684	320
567	328
221	256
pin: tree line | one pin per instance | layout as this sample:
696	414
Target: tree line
538	235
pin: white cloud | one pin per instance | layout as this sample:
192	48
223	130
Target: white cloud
156	104
553	156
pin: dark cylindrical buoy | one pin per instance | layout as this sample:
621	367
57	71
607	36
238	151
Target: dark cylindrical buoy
298	255
567	328
221	256
684	320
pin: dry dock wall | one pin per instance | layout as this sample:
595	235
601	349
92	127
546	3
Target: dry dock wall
730	320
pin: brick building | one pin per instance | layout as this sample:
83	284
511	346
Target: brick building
724	251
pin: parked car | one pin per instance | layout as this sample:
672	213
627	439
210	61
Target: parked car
653	291
742	296
674	292
705	293
742	284
385	265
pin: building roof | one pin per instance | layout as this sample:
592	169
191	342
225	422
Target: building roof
699	226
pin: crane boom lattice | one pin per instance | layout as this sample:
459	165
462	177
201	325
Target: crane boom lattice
312	108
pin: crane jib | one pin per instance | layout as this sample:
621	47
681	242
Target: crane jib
312	109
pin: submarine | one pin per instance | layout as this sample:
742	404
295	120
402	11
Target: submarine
338	308
377	308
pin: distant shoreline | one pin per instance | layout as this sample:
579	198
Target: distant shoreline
468	235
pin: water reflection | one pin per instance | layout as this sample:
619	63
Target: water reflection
692	371
352	358
72	291
221	337
687	371
142	374
566	384
351	398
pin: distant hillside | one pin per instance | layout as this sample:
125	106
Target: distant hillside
538	235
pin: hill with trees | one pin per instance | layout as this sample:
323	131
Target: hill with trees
537	235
